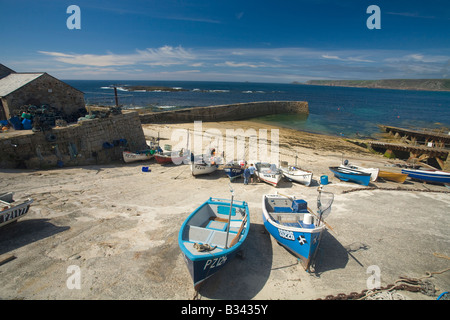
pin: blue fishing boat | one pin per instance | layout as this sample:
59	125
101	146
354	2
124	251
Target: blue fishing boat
212	235
436	176
347	174
294	226
234	169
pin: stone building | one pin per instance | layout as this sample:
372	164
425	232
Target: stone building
18	89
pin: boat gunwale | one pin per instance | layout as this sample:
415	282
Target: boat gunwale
214	201
270	220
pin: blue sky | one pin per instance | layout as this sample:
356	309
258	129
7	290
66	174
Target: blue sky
246	40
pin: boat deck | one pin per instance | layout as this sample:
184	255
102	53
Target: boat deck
209	226
213	234
280	211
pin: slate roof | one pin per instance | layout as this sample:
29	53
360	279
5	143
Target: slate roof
15	81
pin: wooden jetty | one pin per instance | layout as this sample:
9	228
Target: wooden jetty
427	137
421	145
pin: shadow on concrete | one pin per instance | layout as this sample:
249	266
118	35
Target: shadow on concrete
24	232
332	255
245	276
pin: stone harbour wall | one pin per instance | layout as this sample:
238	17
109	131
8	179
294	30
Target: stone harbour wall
229	112
95	141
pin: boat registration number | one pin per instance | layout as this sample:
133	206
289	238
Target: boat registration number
216	262
13	214
289	235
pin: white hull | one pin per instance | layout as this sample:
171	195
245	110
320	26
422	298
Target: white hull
202	168
11	210
297	175
132	157
373	171
269	176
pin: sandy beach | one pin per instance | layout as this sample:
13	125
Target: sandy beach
119	226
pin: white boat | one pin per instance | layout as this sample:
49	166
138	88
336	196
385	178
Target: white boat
268	172
201	165
296	174
10	211
143	155
373	171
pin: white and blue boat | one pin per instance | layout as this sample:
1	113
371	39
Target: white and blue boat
435	176
212	235
347	174
294	226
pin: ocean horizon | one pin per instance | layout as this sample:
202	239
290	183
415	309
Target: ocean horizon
338	111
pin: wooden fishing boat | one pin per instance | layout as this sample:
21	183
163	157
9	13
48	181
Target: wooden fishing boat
392	176
294	226
234	169
345	174
11	211
203	165
436	176
268	173
175	157
211	236
373	171
296	174
142	155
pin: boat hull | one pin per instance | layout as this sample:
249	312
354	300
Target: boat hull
270	178
428	175
393	176
301	240
268	173
11	211
133	156
202	265
170	158
299	176
374	172
233	172
351	175
202	168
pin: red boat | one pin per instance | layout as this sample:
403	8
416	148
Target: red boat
169	157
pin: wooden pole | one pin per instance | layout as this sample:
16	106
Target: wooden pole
229	220
115	95
236	238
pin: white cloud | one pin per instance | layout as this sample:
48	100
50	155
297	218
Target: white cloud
163	56
236	64
253	64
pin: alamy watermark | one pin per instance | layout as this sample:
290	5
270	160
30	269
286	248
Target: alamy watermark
374	21
74	280
374	280
74	20
235	144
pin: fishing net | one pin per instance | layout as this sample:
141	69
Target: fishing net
324	201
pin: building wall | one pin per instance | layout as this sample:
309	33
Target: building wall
45	90
78	144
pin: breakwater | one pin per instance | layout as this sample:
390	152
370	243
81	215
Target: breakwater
229	112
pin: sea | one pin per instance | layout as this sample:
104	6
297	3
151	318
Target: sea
338	111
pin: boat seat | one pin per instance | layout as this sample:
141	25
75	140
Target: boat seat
197	234
219	237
